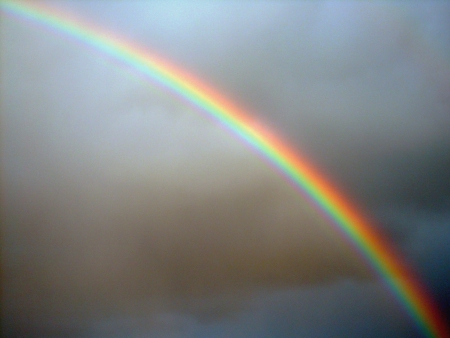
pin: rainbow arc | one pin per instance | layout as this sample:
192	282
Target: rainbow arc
298	170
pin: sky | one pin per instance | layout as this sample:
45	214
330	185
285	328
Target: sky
126	212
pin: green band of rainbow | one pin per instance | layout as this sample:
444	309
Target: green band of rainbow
306	178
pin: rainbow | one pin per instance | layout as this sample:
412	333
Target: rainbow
296	169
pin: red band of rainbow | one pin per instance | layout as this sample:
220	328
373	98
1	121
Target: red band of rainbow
307	179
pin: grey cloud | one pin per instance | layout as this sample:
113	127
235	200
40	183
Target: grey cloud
360	88
313	311
118	201
102	244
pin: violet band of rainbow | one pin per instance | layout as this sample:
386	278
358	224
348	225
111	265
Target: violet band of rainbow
307	179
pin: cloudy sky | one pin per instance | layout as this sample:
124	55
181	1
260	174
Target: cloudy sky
127	213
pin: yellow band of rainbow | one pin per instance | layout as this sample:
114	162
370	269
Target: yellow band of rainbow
296	169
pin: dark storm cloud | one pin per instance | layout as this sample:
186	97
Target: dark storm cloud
423	235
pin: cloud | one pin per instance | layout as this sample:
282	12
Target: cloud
124	201
344	308
360	88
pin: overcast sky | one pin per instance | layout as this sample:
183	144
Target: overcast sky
127	213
